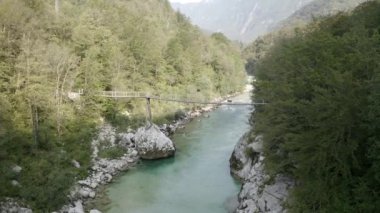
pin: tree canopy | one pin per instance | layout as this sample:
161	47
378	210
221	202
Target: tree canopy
321	123
48	50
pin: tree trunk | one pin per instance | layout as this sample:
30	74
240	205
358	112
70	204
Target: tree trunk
57	6
34	111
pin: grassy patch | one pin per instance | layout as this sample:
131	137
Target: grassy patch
113	152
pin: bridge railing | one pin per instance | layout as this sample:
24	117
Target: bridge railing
167	97
122	94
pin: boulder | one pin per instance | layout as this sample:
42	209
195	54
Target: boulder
95	211
16	169
151	143
86	192
76	164
257	145
78	207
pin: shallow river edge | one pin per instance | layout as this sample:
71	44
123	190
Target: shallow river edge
90	192
259	191
105	170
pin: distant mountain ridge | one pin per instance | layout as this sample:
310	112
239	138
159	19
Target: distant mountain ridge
316	9
256	50
242	20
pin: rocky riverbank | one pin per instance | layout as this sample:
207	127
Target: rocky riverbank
140	144
149	142
259	192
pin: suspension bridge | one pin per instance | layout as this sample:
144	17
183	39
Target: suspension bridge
167	98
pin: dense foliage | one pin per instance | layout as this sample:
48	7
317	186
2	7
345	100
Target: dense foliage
322	121
94	46
309	14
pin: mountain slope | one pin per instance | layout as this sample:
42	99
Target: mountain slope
254	52
242	20
316	9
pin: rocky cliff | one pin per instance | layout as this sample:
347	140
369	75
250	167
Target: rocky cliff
259	192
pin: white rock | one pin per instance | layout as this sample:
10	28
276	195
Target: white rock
92	194
93	185
16	169
126	139
15	183
95	211
10	205
78	207
108	178
257	145
84	193
76	164
134	153
151	143
130	160
256	195
195	114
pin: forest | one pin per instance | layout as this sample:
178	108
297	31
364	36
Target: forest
48	49
321	124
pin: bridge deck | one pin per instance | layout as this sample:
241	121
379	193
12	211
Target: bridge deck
172	98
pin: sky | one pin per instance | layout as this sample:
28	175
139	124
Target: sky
185	1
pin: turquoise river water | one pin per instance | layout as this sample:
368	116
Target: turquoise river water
196	180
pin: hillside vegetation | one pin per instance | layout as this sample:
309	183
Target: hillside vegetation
94	46
310	13
321	124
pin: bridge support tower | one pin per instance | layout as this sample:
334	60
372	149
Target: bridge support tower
148	111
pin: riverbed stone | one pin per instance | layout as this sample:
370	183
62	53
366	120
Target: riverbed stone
10	205
151	143
77	208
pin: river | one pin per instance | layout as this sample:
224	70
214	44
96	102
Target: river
197	179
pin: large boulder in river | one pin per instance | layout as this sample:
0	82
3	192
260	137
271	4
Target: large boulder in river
151	143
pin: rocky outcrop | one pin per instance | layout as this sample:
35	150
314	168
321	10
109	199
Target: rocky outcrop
103	170
244	156
11	206
126	140
151	143
260	192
